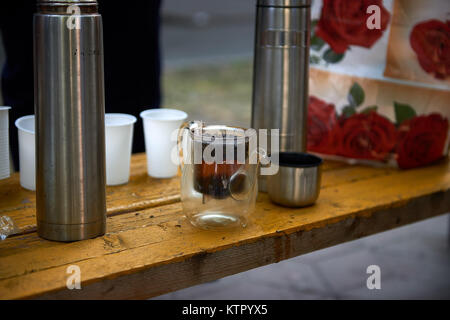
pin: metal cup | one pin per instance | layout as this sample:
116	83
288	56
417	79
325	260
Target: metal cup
297	183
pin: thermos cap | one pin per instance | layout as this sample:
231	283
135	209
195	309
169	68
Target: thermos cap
60	6
67	2
284	3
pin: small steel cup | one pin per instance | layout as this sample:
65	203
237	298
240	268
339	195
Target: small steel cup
297	183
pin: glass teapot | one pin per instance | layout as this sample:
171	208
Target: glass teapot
219	174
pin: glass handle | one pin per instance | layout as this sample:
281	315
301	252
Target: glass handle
189	125
181	131
240	185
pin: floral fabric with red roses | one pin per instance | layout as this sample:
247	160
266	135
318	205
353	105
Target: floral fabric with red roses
386	122
430	40
343	23
415	142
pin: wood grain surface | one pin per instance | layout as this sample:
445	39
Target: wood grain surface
151	249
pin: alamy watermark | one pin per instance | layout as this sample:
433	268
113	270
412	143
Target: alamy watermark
251	147
74	23
374	21
374	280
73	281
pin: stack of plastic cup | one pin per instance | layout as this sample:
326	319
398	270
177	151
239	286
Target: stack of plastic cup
27	156
118	138
5	170
118	142
160	128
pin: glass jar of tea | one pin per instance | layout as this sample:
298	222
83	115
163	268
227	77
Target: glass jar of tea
219	174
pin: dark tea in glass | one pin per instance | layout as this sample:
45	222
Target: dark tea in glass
218	188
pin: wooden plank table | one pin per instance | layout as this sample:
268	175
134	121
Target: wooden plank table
150	249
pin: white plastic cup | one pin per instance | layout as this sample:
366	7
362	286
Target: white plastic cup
5	170
118	138
27	149
159	128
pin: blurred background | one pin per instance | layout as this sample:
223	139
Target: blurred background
207	58
207	71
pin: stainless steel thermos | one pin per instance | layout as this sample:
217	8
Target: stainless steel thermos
281	72
70	126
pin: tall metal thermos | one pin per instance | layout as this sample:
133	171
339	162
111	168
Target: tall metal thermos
70	127
281	71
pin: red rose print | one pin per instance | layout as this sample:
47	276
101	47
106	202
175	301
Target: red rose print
431	42
322	121
367	136
421	141
344	23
